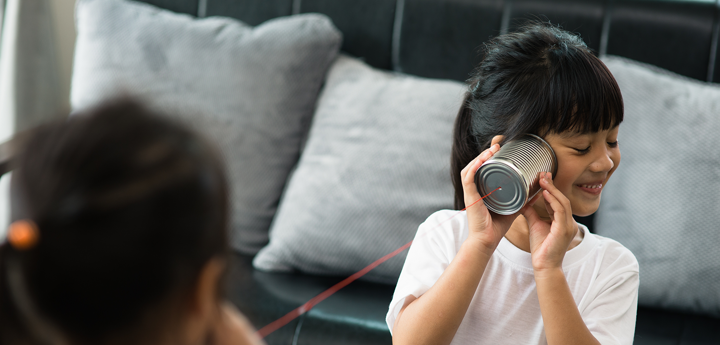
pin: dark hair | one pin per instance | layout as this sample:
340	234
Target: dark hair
539	80
129	205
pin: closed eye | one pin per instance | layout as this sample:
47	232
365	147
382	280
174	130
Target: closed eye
613	144
582	151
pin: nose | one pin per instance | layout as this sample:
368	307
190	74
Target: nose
603	161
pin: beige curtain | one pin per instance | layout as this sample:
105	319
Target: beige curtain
5	131
29	82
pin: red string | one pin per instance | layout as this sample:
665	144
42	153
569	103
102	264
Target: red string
275	325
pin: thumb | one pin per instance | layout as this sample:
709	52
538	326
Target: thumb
533	219
531	215
529	212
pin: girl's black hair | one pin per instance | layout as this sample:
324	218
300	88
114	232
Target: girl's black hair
129	205
539	80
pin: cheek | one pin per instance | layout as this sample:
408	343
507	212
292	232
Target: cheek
564	181
566	175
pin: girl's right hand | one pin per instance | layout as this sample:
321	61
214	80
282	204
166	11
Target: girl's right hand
486	227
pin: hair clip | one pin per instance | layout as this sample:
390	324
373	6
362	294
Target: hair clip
23	234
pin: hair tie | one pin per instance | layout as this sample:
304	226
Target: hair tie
23	234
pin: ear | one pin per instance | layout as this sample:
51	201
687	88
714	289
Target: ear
497	139
202	305
205	299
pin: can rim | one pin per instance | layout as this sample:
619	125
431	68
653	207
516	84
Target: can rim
524	192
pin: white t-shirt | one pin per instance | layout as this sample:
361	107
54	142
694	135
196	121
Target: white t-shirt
601	273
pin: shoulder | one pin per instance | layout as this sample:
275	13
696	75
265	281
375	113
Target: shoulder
617	264
450	221
446	219
448	228
614	251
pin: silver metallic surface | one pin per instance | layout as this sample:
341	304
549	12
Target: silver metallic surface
515	169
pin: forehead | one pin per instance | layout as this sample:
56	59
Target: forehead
584	135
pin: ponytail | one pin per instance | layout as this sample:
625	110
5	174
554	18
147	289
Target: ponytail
464	149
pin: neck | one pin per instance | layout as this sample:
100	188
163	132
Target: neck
519	233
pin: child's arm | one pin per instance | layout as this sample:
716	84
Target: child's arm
434	317
548	245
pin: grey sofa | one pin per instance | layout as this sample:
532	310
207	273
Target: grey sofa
439	39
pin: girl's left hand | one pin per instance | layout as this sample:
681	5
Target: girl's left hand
550	239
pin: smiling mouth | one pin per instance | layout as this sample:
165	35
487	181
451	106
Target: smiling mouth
594	188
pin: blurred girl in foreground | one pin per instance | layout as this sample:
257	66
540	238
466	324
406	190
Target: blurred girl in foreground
120	237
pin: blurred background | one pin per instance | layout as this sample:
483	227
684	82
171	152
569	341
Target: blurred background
35	69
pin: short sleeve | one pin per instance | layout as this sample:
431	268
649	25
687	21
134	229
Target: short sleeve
610	315
435	245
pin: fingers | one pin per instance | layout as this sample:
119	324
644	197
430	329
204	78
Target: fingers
557	204
468	173
529	213
532	217
530	203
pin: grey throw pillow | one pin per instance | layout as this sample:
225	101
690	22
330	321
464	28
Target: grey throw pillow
251	90
376	164
663	203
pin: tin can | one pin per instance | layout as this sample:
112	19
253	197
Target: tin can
515	171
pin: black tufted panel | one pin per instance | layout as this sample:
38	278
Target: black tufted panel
715	63
441	39
180	6
669	327
584	17
673	35
257	301
367	26
250	12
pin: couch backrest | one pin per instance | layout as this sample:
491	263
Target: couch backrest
441	38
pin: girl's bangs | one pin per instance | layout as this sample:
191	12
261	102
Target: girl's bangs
584	95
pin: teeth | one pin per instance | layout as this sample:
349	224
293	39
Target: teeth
591	186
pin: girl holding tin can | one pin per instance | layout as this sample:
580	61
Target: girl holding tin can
535	276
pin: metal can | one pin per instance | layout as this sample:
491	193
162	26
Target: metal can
513	173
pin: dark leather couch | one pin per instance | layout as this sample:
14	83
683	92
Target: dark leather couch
440	39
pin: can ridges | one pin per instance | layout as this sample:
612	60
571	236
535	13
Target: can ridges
519	161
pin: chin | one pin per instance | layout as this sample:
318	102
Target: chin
586	209
582	206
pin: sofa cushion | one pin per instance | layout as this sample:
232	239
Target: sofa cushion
663	202
251	90
376	164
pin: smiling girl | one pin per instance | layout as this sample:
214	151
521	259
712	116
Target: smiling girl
535	277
